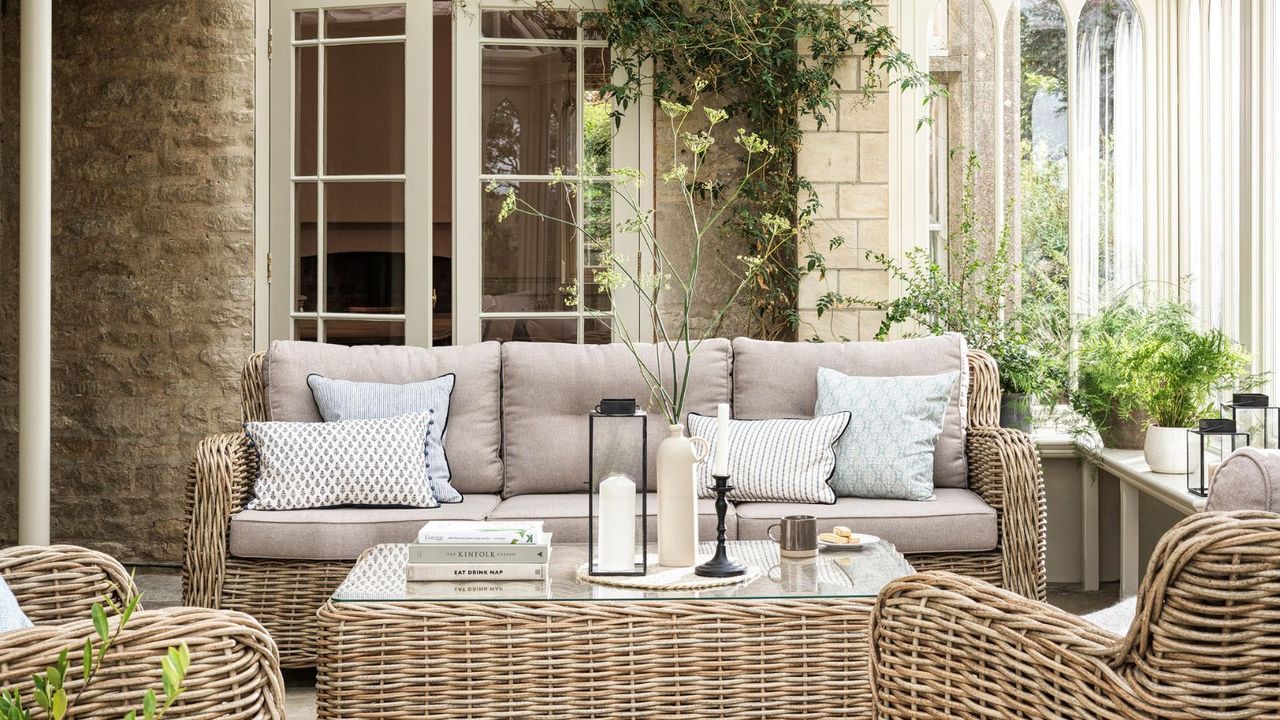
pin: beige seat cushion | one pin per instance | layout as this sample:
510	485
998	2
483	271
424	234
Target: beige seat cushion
549	388
780	379
565	515
340	533
958	521
473	437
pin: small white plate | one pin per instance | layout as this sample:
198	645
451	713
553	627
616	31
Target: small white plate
863	539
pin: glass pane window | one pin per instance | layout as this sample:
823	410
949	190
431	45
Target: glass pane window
545	114
1211	37
364	109
363	262
1109	202
530	115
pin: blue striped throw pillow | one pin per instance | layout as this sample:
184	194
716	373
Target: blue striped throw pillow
349	400
11	616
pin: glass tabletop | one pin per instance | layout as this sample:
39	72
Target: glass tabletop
380	577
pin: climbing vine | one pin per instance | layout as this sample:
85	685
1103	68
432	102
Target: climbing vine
773	62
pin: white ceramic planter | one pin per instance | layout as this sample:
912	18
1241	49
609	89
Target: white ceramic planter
1166	450
678	497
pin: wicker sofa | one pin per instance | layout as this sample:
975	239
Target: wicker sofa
234	673
280	567
1204	643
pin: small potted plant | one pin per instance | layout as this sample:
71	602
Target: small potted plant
1153	365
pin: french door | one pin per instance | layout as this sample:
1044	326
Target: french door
396	128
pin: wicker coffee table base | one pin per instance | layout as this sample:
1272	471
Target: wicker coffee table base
603	659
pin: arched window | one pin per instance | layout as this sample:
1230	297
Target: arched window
502	152
1108	202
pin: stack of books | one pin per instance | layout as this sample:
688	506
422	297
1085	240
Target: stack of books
479	550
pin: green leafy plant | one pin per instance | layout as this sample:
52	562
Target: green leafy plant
772	63
52	696
976	295
709	204
1154	364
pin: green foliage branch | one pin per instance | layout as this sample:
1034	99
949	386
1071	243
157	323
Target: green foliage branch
976	296
52	696
773	62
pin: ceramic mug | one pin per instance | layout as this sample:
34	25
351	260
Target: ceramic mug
797	536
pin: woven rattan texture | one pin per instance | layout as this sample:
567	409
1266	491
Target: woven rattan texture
1205	642
643	659
234	669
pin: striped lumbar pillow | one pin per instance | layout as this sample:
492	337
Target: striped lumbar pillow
781	460
339	400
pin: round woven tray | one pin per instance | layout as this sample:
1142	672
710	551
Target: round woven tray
667	578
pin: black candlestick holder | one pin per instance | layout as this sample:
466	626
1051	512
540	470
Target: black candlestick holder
720	565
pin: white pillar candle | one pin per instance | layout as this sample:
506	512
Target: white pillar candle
617	548
721	464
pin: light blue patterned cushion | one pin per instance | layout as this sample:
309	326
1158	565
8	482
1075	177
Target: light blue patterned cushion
11	616
339	400
894	424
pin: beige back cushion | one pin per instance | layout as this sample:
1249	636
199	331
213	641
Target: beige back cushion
548	389
1249	479
780	379
473	438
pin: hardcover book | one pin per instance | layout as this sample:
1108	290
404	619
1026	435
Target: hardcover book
480	553
427	572
513	532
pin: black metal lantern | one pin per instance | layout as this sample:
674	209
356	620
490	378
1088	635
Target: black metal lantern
1207	446
617	504
1256	417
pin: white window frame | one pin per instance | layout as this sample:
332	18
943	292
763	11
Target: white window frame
274	251
632	147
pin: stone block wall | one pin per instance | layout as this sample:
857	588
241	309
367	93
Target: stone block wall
152	259
847	160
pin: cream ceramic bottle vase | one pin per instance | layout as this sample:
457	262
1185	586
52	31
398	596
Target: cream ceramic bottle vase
678	497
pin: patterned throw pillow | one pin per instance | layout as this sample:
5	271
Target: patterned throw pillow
356	462
782	460
11	616
894	425
347	400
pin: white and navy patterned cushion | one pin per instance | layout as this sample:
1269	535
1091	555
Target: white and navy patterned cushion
894	426
780	460
11	616
355	462
348	400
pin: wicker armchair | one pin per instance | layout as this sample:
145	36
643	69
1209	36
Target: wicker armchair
1004	468
234	669
1205	642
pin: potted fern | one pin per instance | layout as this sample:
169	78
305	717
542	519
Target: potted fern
1152	364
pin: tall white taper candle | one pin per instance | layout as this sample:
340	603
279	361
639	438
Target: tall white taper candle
721	464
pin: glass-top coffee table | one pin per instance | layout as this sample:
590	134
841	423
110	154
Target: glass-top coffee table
790	643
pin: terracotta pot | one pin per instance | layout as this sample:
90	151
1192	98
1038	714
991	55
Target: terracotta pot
1166	450
1127	434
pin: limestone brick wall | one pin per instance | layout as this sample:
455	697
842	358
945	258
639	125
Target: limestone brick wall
847	160
152	259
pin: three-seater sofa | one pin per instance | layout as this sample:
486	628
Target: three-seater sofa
516	444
